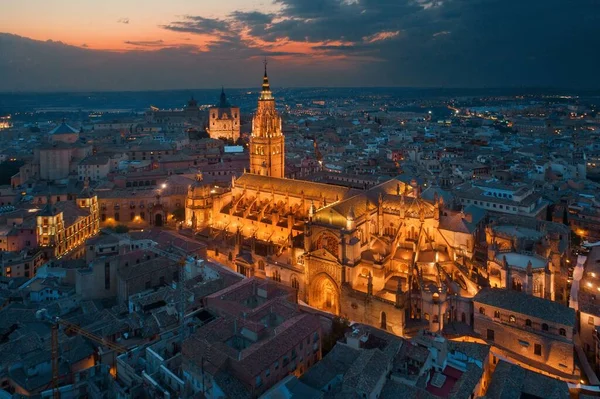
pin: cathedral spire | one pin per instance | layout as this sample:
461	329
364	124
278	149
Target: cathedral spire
266	87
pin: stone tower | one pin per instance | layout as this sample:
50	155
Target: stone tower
267	152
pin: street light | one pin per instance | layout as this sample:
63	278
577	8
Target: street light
164	185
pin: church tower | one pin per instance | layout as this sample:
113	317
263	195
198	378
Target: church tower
267	152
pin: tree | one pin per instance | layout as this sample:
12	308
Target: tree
179	214
339	326
121	229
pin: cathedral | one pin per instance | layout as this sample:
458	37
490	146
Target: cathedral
384	256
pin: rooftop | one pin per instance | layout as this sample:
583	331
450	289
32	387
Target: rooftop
520	302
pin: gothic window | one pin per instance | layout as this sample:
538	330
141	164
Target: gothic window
276	276
383	321
482	310
544	327
516	284
496	314
295	283
528	323
261	265
328	242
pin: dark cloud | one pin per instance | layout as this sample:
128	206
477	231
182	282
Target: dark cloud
123	21
199	25
146	43
442	43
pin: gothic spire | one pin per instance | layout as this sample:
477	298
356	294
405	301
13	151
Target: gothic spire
266	87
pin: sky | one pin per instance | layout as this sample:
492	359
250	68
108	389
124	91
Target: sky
172	44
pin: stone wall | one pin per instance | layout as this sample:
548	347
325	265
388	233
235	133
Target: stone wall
555	352
362	308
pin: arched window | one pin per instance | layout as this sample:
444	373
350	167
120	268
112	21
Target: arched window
512	319
544	327
383	321
481	311
528	323
261	265
295	283
562	332
497	314
516	284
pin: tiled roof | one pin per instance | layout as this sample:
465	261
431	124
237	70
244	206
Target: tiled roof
336	363
366	371
63	128
510	381
520	302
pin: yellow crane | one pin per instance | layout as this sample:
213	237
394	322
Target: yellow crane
74	329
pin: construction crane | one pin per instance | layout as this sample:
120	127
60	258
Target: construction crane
73	328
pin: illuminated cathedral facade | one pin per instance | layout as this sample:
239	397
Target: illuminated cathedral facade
383	256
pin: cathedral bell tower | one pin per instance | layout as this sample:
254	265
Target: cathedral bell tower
267	152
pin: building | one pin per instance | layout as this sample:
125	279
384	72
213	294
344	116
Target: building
267	144
534	330
370	363
529	255
383	256
64	133
258	337
65	225
224	120
496	197
510	381
21	264
95	168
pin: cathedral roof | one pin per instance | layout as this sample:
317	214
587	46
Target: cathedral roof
367	200
295	188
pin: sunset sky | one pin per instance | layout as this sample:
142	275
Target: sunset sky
109	24
135	44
